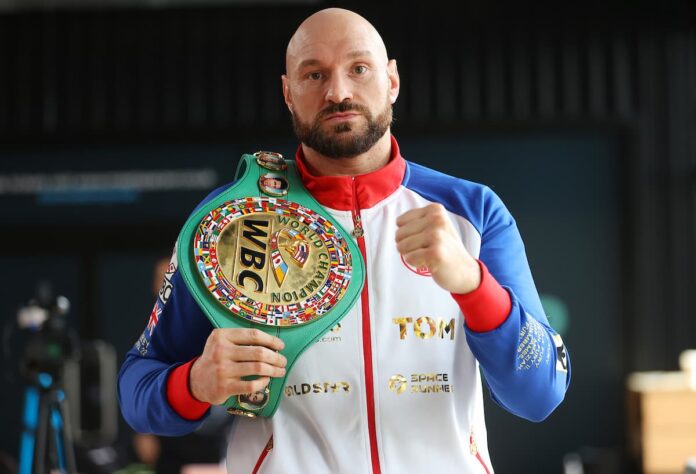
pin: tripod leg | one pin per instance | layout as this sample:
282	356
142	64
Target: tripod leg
61	428
42	434
28	441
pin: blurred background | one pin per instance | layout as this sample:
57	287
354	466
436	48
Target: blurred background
118	116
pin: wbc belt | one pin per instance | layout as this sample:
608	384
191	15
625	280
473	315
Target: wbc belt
263	255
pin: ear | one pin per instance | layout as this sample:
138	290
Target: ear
286	91
394	81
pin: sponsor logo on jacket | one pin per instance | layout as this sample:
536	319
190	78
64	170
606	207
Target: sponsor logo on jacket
420	383
316	388
332	336
425	327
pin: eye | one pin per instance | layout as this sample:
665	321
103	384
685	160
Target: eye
314	76
360	69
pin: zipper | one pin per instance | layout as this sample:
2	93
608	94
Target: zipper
473	448
264	453
359	233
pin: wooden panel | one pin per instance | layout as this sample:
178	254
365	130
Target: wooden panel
667	451
669	410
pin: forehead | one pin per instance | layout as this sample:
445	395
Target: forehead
327	46
332	51
321	54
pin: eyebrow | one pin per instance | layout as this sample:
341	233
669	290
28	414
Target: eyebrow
357	54
308	62
351	55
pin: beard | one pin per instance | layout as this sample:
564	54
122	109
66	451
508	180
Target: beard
339	142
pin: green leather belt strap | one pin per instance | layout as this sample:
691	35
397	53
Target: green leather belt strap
263	255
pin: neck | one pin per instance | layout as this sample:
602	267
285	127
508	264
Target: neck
372	160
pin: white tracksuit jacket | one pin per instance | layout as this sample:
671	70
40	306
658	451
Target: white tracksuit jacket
394	388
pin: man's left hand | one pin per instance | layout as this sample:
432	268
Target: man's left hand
425	237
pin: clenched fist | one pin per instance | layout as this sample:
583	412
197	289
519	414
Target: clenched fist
231	354
425	237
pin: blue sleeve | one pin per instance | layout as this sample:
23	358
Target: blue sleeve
176	332
524	361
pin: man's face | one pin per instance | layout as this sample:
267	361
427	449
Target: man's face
273	183
256	398
339	88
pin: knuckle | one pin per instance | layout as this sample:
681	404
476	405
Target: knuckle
257	367
247	387
430	210
258	384
440	220
217	355
258	352
255	336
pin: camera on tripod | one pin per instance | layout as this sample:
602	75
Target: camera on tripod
70	402
52	345
46	442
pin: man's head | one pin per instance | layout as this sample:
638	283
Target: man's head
256	399
273	183
339	84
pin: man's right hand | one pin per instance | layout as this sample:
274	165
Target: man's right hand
231	354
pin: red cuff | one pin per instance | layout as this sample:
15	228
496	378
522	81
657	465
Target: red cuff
179	394
488	306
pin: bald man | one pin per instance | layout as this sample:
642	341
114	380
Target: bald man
396	386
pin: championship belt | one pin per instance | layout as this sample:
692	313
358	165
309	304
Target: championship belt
263	255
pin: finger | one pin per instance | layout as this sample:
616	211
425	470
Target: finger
415	258
412	242
239	387
434	209
413	227
244	369
254	337
258	354
409	216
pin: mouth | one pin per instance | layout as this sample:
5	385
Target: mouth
341	117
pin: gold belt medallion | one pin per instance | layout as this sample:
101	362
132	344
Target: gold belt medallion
271	261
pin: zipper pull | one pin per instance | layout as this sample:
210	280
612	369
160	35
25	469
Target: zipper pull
357	226
358	230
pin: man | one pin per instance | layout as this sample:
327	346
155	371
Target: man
254	400
273	185
448	288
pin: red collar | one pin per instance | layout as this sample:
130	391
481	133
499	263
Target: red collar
350	192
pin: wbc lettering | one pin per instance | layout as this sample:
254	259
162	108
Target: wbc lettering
250	258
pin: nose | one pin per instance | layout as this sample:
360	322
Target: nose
338	89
